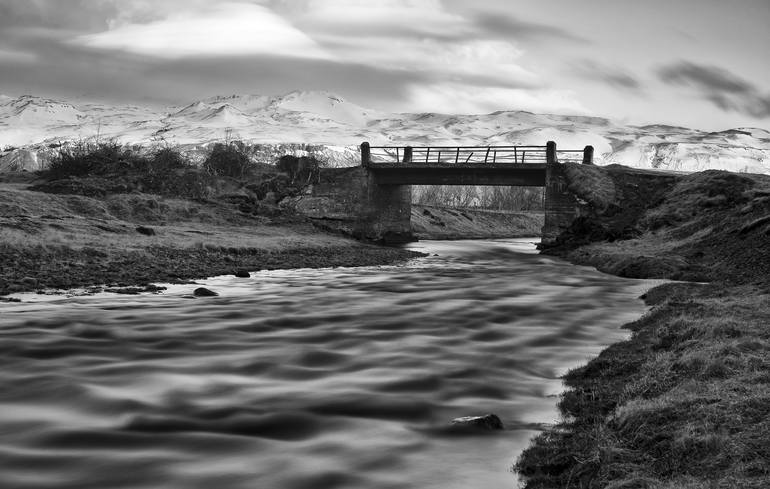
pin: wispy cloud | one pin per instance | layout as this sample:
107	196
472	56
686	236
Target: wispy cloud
511	27
613	76
468	99
721	87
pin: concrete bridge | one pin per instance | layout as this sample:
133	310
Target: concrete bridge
373	201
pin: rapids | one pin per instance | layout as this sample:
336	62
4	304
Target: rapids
302	379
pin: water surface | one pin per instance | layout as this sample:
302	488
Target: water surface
302	379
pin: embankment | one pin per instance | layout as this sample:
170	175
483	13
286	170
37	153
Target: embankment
685	402
59	241
431	222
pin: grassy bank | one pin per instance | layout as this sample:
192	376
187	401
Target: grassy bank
105	215
685	402
435	222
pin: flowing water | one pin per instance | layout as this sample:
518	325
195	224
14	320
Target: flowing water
311	379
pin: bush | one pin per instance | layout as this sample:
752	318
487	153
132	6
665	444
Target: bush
300	169
87	159
227	160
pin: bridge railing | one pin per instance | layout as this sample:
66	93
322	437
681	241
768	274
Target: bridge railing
473	154
570	155
457	154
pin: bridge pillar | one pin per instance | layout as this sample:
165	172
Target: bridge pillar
588	155
388	212
408	154
385	211
550	152
561	205
366	154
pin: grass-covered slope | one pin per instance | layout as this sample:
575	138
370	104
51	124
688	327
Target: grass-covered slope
434	222
685	403
113	215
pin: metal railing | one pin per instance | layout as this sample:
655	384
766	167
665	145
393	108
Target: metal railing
457	154
570	155
440	155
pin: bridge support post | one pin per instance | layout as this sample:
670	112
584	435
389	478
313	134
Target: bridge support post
550	152
366	154
408	154
588	155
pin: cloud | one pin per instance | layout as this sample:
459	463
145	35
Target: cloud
511	27
368	17
220	29
481	62
613	76
724	89
467	99
13	56
117	76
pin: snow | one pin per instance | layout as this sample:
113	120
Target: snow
323	118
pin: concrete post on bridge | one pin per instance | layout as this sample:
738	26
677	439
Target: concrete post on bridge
407	154
550	152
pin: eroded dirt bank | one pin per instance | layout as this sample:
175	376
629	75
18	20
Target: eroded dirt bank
685	403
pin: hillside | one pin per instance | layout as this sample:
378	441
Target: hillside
38	125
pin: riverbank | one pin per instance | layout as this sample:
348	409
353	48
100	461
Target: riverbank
684	402
61	241
432	222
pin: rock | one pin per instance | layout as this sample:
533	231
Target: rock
204	292
486	422
29	282
270	198
242	274
145	230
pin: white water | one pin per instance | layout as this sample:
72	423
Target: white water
302	378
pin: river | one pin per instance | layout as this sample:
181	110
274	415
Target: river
302	379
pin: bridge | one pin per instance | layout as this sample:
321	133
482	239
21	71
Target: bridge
467	165
374	200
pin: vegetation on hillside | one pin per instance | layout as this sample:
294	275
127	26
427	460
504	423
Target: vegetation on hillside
496	198
229	171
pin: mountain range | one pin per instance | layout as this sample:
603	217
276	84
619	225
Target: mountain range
32	127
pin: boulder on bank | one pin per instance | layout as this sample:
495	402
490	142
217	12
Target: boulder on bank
488	422
242	274
204	292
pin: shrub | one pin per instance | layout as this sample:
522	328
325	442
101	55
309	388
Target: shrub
87	159
227	160
300	169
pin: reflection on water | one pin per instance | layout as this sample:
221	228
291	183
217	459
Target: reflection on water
302	378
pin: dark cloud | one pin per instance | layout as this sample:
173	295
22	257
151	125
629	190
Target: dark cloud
78	15
511	27
610	75
724	89
71	71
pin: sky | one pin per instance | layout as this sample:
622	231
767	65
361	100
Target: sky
695	63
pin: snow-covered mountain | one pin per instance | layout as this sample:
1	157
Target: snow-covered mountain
34	125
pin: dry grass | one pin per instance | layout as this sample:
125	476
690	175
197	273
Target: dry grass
61	241
685	402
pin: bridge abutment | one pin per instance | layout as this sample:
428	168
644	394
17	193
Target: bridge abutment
561	206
